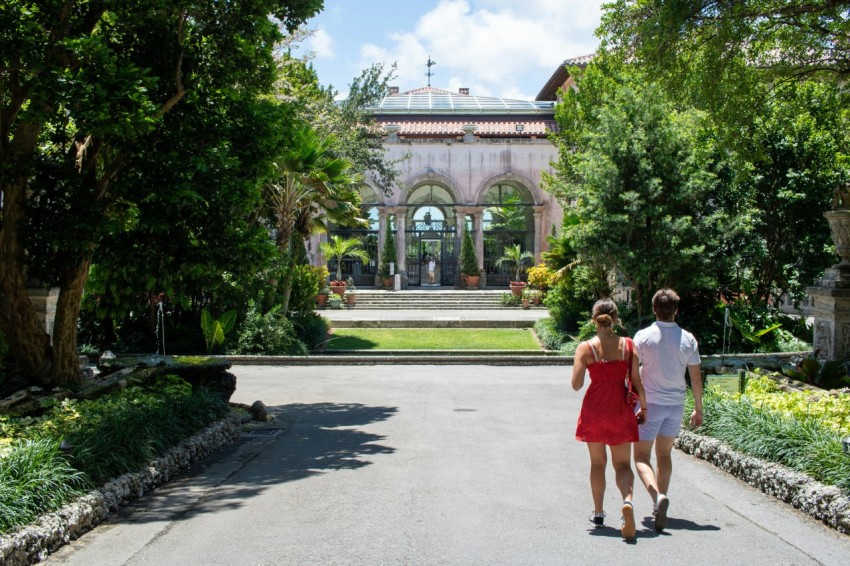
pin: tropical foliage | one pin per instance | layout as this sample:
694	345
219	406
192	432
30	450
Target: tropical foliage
517	257
339	248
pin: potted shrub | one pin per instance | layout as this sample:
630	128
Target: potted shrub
322	296
388	256
526	299
350	297
337	249
515	256
335	301
469	262
533	295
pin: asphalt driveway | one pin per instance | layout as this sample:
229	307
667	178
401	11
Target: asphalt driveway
433	465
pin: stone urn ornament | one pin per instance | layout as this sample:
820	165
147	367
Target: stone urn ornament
839	226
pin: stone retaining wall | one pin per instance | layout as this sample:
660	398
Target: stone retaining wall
34	542
825	503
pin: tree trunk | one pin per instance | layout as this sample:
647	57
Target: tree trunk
27	337
65	328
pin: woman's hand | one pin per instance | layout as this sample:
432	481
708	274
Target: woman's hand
641	415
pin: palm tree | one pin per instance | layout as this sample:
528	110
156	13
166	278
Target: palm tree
515	256
310	179
339	248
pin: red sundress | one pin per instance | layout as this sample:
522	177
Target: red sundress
605	413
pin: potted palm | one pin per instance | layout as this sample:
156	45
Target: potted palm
337	249
469	262
515	256
388	256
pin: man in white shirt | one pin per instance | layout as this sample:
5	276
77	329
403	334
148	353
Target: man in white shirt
665	350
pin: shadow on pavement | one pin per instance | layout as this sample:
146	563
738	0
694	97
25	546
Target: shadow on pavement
321	438
676	525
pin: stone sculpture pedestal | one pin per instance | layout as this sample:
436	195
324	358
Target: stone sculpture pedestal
831	295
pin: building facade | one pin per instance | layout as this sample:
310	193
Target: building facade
467	163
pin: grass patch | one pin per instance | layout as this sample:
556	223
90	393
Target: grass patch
433	339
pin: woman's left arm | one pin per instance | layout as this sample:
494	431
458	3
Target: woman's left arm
637	384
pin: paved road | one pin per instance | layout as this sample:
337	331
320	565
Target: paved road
433	465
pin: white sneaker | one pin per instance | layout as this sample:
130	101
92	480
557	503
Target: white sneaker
661	512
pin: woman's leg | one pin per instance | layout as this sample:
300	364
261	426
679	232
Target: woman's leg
621	459
598	461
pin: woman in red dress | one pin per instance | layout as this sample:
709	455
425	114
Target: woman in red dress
607	417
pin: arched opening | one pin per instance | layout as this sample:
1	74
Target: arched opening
431	243
508	220
362	273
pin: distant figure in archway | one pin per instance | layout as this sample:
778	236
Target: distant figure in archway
432	265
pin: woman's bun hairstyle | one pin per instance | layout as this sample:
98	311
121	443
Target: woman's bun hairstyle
605	312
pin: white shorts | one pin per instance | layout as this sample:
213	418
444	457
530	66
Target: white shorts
662	420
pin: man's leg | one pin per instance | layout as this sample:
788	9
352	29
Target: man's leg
643	452
664	462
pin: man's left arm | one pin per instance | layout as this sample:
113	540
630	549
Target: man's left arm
696	389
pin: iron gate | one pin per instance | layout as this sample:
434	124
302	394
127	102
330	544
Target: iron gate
427	241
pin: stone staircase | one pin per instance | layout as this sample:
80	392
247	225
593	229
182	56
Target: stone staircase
437	299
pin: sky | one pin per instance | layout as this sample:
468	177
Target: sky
501	48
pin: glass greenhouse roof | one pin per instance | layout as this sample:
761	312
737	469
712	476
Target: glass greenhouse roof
438	101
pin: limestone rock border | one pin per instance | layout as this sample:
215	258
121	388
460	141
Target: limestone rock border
34	542
823	502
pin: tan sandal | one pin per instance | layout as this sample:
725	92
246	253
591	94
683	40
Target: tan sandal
628	529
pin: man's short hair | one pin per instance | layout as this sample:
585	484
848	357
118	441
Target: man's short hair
665	303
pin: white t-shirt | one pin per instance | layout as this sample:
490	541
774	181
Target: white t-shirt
665	351
431	265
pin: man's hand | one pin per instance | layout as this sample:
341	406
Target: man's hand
696	419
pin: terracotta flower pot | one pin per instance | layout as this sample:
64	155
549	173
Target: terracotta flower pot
472	281
322	300
338	287
517	287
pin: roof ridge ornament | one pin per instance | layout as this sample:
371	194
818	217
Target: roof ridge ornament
430	73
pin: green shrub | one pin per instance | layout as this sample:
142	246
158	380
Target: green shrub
306	283
468	259
510	300
107	436
832	410
569	348
804	443
549	335
311	329
268	334
388	254
35	478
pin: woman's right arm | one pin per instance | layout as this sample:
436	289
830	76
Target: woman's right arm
579	366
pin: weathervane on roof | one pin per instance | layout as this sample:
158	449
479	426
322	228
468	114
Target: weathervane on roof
430	73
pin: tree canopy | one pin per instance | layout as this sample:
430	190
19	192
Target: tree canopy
96	96
721	55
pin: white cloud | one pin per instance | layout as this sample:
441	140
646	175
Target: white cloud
321	43
491	46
